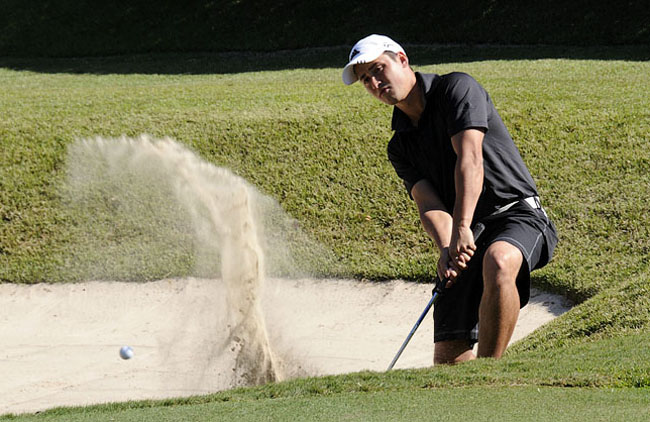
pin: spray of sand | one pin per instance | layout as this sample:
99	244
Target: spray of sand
146	204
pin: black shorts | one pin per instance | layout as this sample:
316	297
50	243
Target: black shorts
455	314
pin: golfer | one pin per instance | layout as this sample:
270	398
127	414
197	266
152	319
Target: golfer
460	166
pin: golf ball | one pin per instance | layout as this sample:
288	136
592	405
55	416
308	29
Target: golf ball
126	352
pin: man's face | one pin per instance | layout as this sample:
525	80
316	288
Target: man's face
387	79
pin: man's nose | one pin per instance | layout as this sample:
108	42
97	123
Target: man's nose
374	83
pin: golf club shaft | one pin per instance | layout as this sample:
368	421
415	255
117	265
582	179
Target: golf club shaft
415	327
438	289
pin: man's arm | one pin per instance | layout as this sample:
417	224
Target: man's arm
468	178
437	222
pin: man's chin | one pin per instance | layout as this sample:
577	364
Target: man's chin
388	99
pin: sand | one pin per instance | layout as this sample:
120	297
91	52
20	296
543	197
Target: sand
59	344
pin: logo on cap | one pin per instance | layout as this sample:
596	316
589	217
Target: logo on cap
354	53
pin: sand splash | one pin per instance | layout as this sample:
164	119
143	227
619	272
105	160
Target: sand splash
151	203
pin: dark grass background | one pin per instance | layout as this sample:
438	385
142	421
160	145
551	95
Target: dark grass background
85	27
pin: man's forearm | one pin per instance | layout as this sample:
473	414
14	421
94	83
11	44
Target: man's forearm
435	218
468	177
469	184
438	226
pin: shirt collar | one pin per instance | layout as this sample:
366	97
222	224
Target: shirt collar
400	120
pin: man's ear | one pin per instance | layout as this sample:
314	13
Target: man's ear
403	59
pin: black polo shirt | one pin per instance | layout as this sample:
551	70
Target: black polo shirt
455	102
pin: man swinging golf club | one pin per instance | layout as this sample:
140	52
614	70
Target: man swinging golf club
461	167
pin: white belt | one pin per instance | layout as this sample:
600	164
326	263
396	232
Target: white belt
532	201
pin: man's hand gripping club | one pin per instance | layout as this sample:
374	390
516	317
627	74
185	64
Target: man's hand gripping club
454	260
456	257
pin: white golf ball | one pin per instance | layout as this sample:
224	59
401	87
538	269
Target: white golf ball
126	352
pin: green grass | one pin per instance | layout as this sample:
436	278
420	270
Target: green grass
318	148
455	404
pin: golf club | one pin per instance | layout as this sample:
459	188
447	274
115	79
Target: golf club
437	291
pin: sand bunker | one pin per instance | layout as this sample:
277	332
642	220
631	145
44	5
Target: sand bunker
60	344
145	206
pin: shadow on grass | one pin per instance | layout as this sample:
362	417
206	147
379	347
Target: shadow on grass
316	58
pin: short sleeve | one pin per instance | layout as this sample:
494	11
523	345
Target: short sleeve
403	167
464	103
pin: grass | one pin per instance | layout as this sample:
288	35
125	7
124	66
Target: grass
455	404
318	148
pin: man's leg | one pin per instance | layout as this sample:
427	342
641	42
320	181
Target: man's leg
499	307
452	351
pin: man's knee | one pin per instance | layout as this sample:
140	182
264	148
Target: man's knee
501	263
452	352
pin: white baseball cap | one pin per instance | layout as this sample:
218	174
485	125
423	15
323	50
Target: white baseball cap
367	50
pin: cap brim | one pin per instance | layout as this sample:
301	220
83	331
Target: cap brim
349	77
